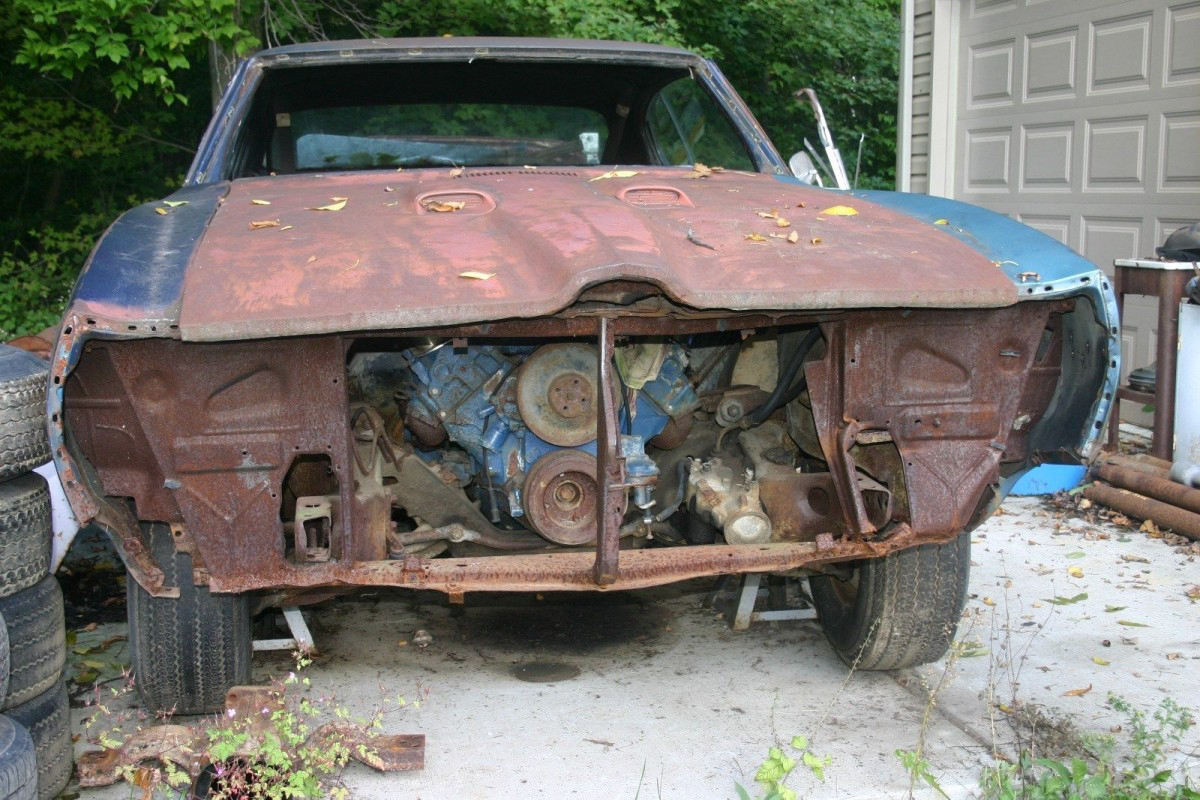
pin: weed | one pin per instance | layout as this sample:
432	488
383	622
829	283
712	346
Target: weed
778	765
1097	769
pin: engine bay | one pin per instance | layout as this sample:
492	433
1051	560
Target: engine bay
716	437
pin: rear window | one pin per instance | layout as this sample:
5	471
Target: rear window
442	134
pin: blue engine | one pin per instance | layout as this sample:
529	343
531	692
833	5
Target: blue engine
512	407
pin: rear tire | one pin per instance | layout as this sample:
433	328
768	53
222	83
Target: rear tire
188	651
23	443
897	611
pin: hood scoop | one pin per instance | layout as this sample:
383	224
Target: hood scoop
654	196
467	201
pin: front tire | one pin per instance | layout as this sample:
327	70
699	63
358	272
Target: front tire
187	651
897	611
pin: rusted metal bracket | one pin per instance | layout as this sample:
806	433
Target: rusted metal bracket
186	746
609	467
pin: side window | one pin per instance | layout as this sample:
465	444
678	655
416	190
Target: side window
686	126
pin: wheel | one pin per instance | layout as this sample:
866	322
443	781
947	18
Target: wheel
899	610
47	717
25	533
186	651
23	443
18	764
36	640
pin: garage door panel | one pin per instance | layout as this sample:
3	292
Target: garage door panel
1182	55
1119	54
1051	65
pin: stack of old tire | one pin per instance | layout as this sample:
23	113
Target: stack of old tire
35	740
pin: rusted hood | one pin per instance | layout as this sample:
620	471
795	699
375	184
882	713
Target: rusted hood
272	264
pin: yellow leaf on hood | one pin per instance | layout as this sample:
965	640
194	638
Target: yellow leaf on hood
840	211
815	240
941	222
477	276
174	203
614	173
793	237
162	212
454	173
755	237
1097	660
261	202
699	171
264	223
337	205
780	222
772	214
442	208
1078	692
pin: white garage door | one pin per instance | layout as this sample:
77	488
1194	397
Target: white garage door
1082	119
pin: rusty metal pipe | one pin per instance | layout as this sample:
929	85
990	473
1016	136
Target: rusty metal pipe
1167	491
1127	463
1182	522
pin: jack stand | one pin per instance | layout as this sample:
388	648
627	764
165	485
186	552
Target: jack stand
743	613
301	640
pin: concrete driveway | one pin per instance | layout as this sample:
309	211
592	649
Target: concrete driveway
650	694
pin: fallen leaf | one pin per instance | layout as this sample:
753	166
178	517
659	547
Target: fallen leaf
337	205
1193	592
613	173
477	276
772	214
261	202
1085	504
699	171
1174	656
388	189
1112	609
1134	558
987	601
793	237
89	662
1120	519
311	259
941	222
1076	554
1131	624
1066	601
287	227
1077	692
840	211
1100	661
801	204
755	237
454	173
1151	530
264	223
533	166
1005	709
162	212
441	208
91	626
1075	572
174	203
780	222
815	240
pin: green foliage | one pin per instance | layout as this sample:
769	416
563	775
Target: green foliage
37	271
1135	768
135	43
773	773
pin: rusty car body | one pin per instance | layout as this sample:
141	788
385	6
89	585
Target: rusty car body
422	357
